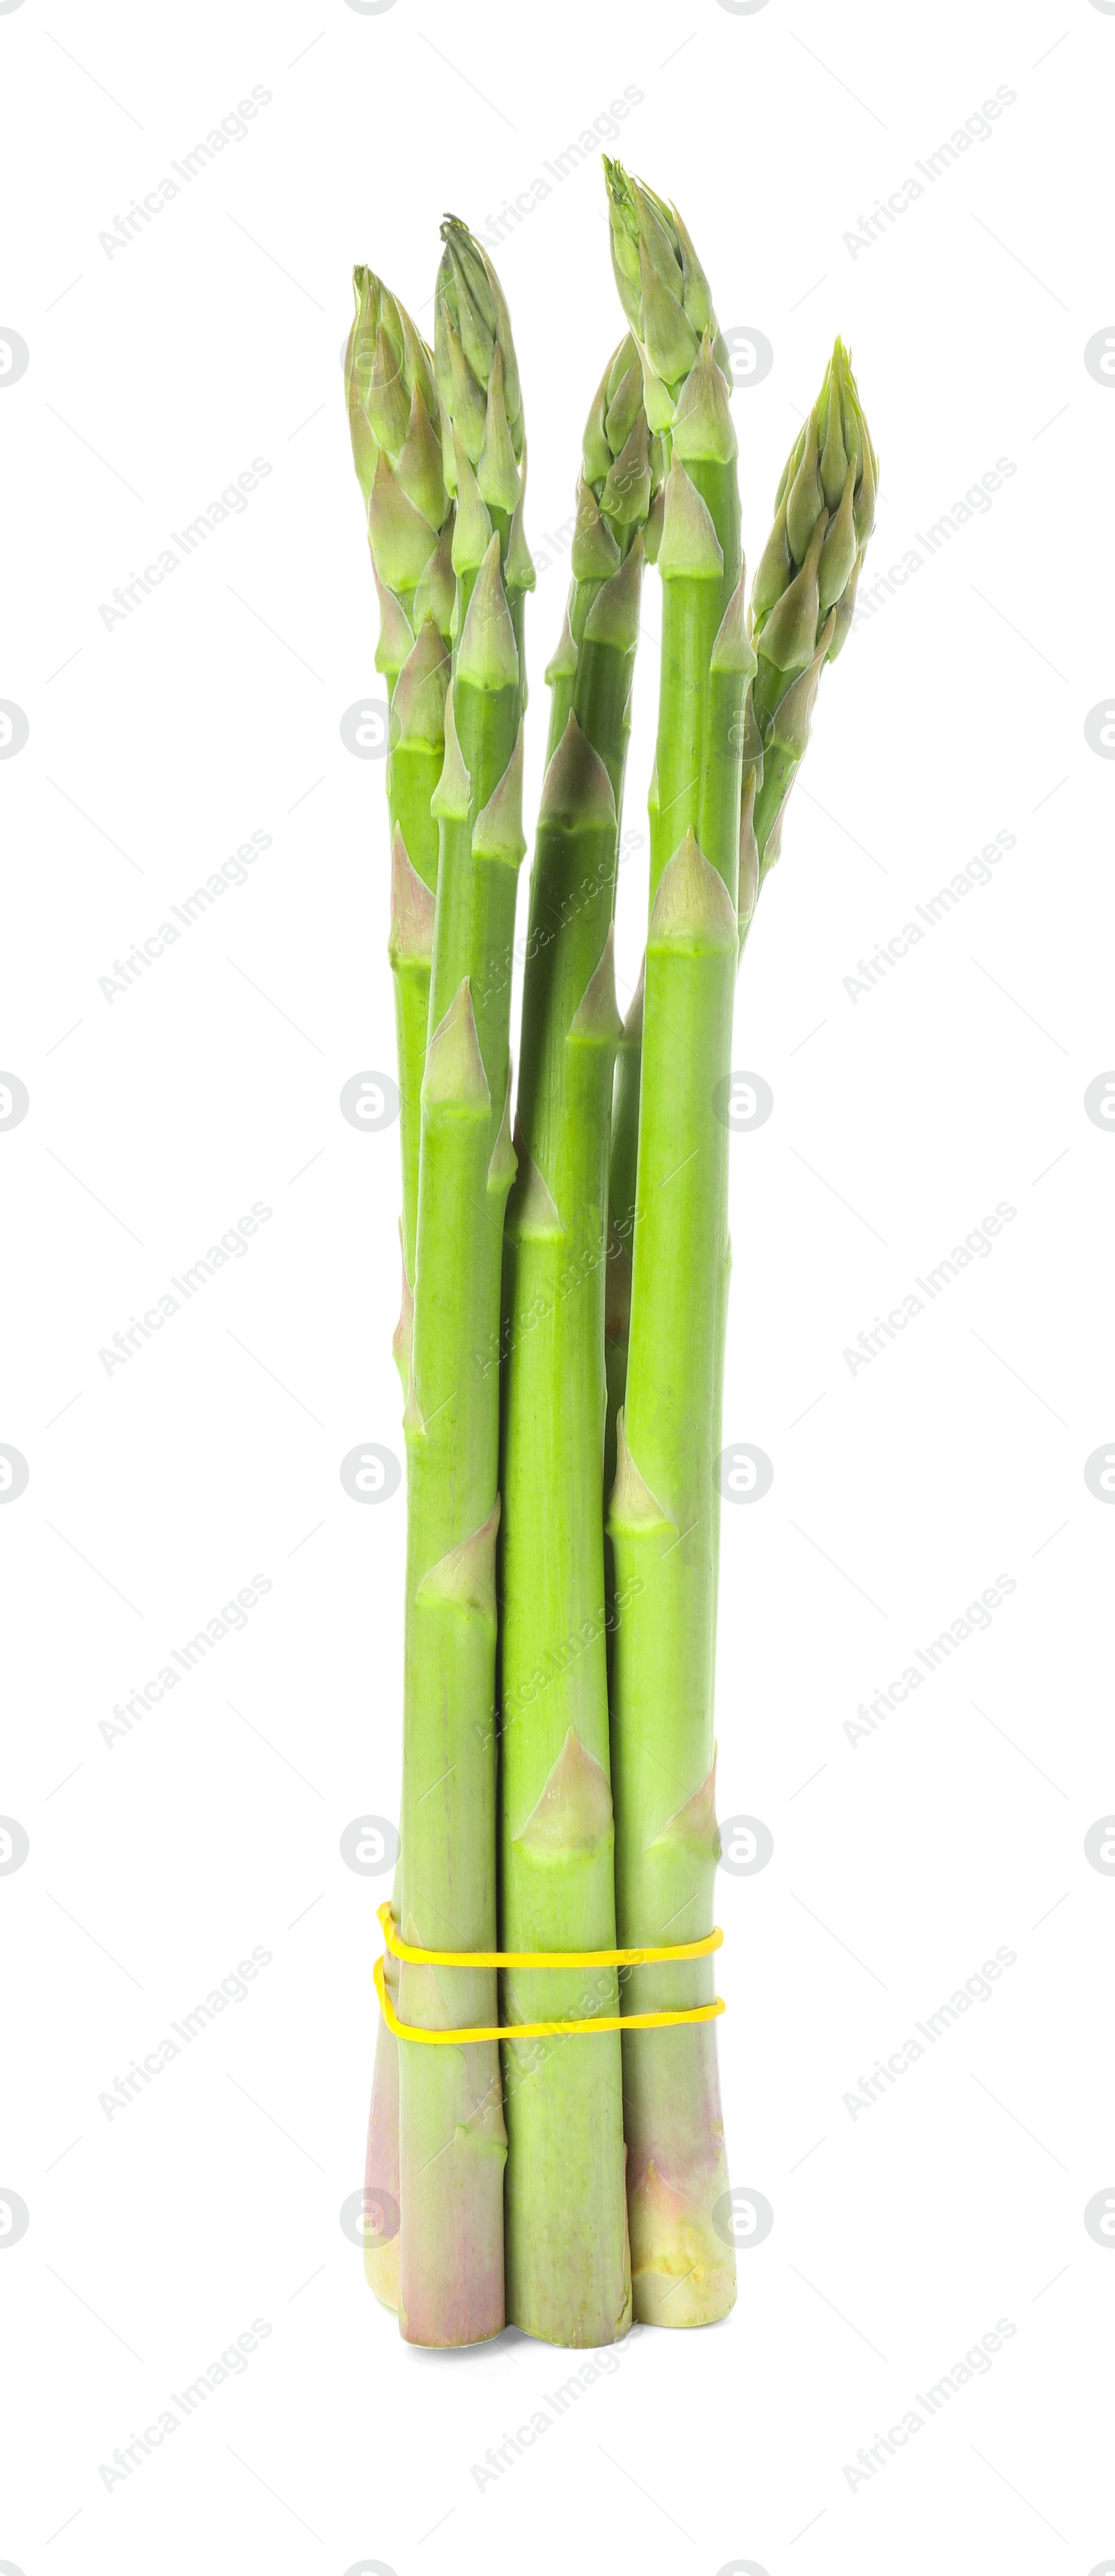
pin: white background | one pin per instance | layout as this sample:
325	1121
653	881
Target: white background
902	1117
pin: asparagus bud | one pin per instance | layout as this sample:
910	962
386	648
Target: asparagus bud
394	420
483	436
805	585
395	426
662	288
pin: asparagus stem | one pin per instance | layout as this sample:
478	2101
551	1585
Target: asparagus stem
452	2135
775	732
568	2271
663	1516
392	407
621	1228
452	2139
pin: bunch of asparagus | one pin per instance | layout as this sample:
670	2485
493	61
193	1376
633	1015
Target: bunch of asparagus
565	1279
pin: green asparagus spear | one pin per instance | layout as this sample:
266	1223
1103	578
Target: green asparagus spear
452	2134
568	2272
394	422
663	1516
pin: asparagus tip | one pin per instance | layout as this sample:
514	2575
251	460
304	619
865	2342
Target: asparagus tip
531	1210
465	1578
402	1341
631	1505
412	907
748	891
689	548
694	1823
614	615
594	555
633	1023
454	1078
596	1021
505	1161
498	832
703	429
573	1813
692	908
487	655
733	650
450	799
418	704
576	790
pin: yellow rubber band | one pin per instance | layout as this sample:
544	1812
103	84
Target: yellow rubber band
408	1951
540	1958
534	2029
